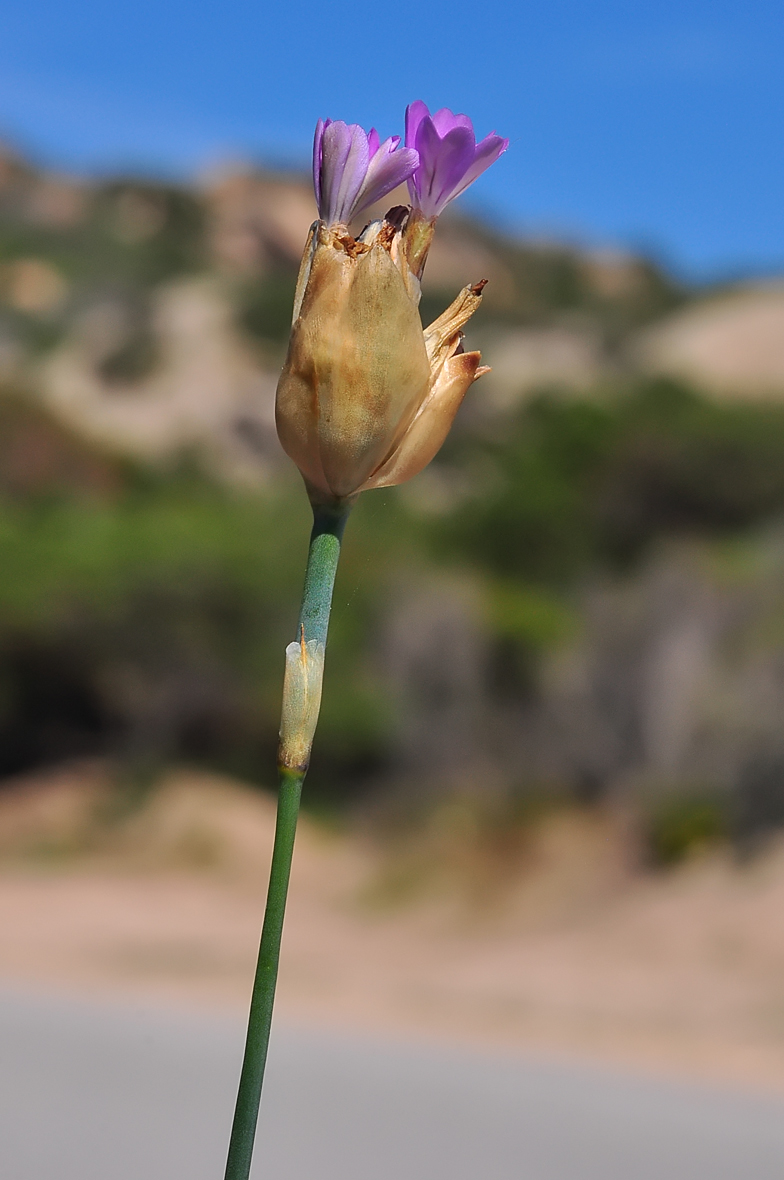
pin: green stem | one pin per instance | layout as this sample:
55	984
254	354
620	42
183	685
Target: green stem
328	525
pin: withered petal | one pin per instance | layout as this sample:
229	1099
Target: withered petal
425	436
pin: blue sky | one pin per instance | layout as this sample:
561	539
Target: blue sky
655	126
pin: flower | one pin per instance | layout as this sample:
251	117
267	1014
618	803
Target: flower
450	159
366	398
352	168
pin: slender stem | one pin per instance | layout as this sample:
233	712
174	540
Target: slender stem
328	525
249	1094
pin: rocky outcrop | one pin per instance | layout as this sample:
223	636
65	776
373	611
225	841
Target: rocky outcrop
732	345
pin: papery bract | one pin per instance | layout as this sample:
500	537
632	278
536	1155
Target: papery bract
450	159
301	702
366	397
352	168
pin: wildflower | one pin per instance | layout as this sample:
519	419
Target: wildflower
352	169
450	159
366	398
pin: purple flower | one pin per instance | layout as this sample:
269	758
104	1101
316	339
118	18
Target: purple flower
352	169
449	157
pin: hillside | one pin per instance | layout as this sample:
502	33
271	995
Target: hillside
579	599
152	318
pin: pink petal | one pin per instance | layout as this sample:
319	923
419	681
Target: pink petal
415	113
487	152
317	144
443	163
344	163
445	120
387	169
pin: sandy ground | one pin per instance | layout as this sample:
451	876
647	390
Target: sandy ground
568	950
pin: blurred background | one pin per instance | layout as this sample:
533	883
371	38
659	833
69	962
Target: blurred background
547	796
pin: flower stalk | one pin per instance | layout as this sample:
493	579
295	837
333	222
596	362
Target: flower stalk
300	711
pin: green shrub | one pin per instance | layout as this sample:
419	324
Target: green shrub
680	825
578	483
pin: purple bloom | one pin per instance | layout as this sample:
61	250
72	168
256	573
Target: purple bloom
449	157
352	168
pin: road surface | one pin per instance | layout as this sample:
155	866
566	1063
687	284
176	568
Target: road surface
112	1092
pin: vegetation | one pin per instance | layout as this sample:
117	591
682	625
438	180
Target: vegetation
145	614
580	483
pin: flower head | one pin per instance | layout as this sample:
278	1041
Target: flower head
352	168
449	157
366	398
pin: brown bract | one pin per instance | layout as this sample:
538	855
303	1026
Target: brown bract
366	398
